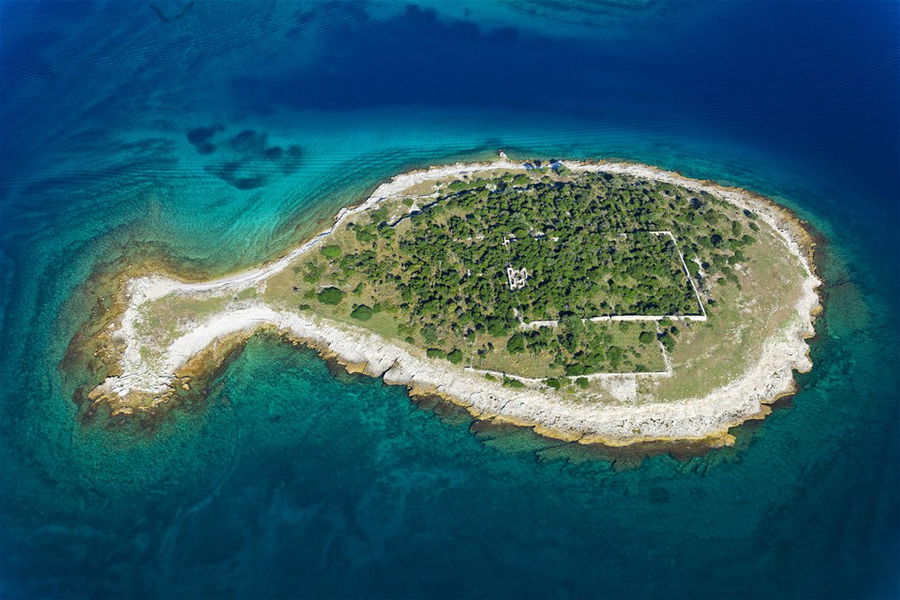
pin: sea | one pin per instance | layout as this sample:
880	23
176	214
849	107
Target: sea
218	134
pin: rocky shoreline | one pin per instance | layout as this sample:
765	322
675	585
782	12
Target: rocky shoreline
706	419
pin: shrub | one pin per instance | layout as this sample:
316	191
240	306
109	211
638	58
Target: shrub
553	383
574	369
313	272
582	382
646	337
435	353
516	344
331	295
614	354
497	327
668	341
379	215
331	252
455	356
514	384
362	312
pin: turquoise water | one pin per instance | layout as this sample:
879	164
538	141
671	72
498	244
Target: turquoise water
287	481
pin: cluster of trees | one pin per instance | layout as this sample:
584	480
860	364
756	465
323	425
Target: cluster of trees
582	348
569	236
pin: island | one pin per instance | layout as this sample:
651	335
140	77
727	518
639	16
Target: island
599	302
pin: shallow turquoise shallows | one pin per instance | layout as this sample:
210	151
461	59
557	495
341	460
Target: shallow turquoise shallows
220	134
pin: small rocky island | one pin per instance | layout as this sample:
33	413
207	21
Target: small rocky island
603	303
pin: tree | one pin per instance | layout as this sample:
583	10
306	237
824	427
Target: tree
574	369
497	327
362	312
516	344
331	295
693	268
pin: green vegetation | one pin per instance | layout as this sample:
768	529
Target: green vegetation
592	244
331	252
331	295
514	384
362	313
575	347
587	246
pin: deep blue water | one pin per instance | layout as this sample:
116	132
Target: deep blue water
288	481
